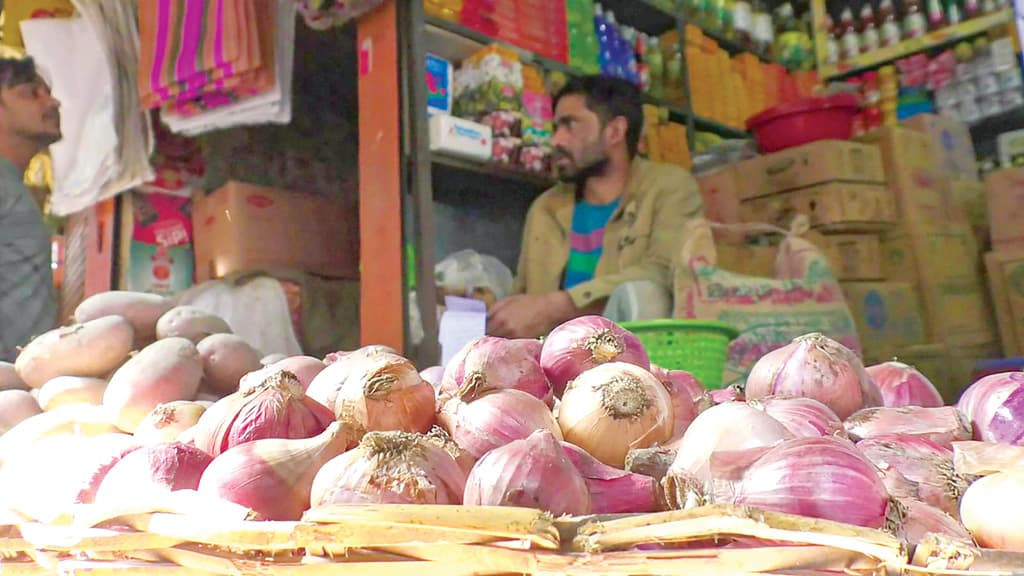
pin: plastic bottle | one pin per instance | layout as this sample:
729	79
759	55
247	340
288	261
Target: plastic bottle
446	9
656	65
764	31
832	52
743	22
869	39
604	40
849	39
674	75
890	29
725	18
972	9
915	24
954	14
936	14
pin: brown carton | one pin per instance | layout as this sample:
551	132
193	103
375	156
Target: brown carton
854	256
952	148
945	267
1005	199
811	164
245	227
917	184
1006	281
831	207
969	204
720	190
887	314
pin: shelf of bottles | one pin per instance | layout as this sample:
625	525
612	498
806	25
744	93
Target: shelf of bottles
874	37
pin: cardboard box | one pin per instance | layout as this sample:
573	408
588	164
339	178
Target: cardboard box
835	206
921	194
156	243
854	256
1006	281
1005	200
887	314
811	164
969	204
245	227
720	190
945	267
952	148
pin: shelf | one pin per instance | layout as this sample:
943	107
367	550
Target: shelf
533	179
990	128
456	42
935	39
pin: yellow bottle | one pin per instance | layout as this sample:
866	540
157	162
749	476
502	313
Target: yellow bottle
447	9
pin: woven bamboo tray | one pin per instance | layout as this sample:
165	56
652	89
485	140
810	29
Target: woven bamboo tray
187	535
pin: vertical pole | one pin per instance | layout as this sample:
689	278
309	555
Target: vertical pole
100	248
381	307
422	230
691	131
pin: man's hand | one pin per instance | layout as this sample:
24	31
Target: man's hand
529	315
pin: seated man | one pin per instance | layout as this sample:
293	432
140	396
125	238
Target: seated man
614	222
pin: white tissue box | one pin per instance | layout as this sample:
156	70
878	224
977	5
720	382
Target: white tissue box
458	137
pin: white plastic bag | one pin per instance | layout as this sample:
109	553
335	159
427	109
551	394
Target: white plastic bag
469	272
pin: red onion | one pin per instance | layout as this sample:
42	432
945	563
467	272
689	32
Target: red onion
803	417
613	408
685	392
995	407
586	342
817	477
157	468
533	472
942	425
919	519
276	408
814	366
614	491
903	385
494	420
433	376
925	466
390	468
726	427
491	363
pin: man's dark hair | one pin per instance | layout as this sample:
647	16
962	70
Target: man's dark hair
17	71
610	98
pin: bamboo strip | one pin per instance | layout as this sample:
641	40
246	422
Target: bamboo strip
23	569
487	559
371	535
124	568
65	538
247	535
182	502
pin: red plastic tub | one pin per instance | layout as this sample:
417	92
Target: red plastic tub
804	121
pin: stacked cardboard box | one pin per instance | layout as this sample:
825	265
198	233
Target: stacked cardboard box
1005	263
934	250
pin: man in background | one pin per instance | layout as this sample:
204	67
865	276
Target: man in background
29	123
610	230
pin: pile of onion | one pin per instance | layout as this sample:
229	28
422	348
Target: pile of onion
158	468
917	465
942	425
533	472
494	420
685	391
613	408
275	408
815	366
916	519
803	417
390	468
489	363
373	389
585	342
614	491
994	406
903	385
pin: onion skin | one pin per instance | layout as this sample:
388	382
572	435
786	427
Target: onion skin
495	420
924	466
992	510
684	390
489	363
167	421
902	385
274	477
614	491
277	408
534	473
995	407
943	425
162	467
305	368
654	462
982	458
390	468
803	417
614	408
585	342
920	519
816	477
433	375
815	366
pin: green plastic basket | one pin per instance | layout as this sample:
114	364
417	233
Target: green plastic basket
699	347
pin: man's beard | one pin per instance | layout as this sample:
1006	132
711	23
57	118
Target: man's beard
586	172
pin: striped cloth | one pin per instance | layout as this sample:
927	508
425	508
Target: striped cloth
586	241
27	303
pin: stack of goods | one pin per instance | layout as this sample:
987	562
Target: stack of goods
194	444
754	26
584	47
663	140
224	67
1005	263
536	25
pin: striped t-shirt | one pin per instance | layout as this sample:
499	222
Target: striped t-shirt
586	241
